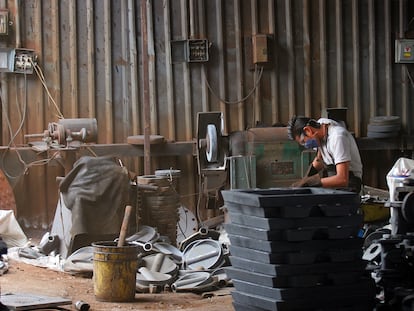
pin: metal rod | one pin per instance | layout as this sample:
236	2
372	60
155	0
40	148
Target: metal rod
356	68
146	99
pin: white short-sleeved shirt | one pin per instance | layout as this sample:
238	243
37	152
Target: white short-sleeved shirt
340	146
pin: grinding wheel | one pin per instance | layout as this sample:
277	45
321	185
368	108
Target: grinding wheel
407	208
212	144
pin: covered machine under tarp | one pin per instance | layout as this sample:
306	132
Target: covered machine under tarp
93	197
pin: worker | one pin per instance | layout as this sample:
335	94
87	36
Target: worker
337	163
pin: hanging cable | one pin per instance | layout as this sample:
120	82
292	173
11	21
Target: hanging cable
13	136
39	73
244	98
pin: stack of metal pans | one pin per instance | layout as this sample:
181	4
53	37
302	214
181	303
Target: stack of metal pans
384	127
297	249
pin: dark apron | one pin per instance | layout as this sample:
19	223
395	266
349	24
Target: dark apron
354	182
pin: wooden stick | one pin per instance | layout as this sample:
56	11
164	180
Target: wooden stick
124	226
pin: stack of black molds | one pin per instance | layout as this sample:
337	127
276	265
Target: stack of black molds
297	249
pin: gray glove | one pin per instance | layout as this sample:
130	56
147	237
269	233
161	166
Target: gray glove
309	181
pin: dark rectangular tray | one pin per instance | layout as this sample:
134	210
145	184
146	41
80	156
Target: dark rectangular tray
299	280
244	307
291	203
301	246
365	288
294	234
294	258
289	223
288	270
317	303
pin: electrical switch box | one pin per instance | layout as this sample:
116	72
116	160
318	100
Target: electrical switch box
404	51
17	60
24	61
4	22
7	59
260	49
191	50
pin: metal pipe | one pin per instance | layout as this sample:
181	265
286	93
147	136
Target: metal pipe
152	85
323	56
194	280
90	46
17	23
202	257
109	132
145	82
169	72
307	80
147	273
240	108
290	63
355	68
273	73
158	261
147	246
372	83
339	54
133	67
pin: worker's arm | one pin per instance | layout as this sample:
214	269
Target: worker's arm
339	180
316	165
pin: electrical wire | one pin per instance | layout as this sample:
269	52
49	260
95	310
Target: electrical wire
23	114
244	98
13	135
42	79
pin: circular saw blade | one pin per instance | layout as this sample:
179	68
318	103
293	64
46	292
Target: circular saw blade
7	200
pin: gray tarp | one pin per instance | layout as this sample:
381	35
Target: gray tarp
96	191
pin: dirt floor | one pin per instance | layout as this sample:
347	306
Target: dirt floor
25	278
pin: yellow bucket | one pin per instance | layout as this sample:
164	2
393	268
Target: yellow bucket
114	271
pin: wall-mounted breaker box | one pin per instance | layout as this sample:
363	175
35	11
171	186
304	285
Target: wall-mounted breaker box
17	60
7	59
4	22
261	48
191	50
404	51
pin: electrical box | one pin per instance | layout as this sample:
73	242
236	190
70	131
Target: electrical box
404	51
17	60
191	50
4	22
260	49
7	59
24	61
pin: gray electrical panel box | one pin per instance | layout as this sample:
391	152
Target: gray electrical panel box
191	50
404	51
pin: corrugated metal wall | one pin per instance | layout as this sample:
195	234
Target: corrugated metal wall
324	53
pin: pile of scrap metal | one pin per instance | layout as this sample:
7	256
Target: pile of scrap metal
390	249
196	265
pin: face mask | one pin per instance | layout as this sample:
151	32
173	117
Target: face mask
311	144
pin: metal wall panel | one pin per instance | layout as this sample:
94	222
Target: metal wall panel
324	54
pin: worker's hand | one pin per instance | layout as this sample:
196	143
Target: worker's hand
309	181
